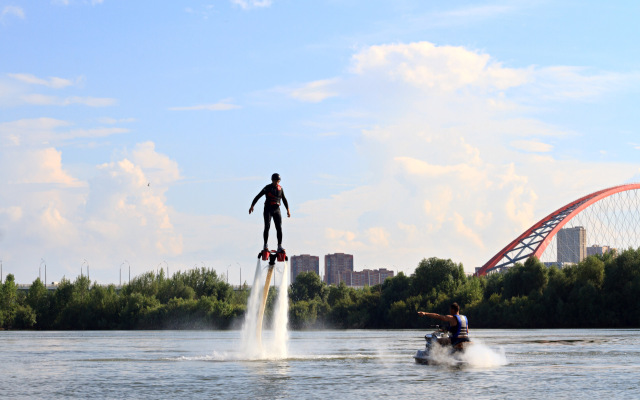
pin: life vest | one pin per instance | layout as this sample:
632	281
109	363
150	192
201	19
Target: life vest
273	195
461	330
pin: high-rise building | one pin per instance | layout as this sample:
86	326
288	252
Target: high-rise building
366	277
599	250
572	245
334	265
304	263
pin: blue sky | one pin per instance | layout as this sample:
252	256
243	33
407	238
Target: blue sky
141	131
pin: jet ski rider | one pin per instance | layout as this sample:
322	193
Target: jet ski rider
274	194
458	325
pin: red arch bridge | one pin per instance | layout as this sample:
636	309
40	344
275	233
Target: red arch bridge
607	220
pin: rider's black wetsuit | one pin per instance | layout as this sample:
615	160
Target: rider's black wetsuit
274	194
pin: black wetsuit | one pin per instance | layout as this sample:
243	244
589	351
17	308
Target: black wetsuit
274	194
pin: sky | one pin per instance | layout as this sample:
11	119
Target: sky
135	134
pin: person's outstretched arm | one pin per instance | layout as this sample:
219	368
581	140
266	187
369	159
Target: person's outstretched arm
255	200
446	318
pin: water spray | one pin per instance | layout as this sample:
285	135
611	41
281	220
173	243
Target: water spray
252	328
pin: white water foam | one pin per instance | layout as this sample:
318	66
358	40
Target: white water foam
253	345
281	316
479	355
475	355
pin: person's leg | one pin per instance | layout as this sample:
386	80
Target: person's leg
277	219
267	225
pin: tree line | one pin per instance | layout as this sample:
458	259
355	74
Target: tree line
188	300
599	292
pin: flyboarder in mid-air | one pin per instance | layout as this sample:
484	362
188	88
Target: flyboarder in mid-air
274	194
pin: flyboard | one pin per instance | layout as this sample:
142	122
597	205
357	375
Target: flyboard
272	256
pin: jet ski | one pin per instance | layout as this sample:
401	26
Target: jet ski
438	349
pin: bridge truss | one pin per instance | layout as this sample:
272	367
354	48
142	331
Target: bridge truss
610	217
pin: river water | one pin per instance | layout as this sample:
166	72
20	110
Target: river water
352	364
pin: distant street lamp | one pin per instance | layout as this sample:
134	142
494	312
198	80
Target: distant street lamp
83	263
42	261
159	268
240	266
125	261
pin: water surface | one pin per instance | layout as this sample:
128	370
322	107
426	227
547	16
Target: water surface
353	364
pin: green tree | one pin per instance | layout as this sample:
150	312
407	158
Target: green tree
39	299
521	280
303	314
436	275
395	289
9	302
622	288
104	306
307	286
591	271
470	293
25	317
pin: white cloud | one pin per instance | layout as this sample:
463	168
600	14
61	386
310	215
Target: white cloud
68	2
532	146
378	236
114	215
578	83
520	206
443	176
13	213
249	4
466	231
52	82
437	205
483	219
17	91
41	166
446	130
160	168
475	12
36	130
204	11
433	67
419	167
44	131
445	69
14	11
112	121
315	92
343	236
224	105
46	100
